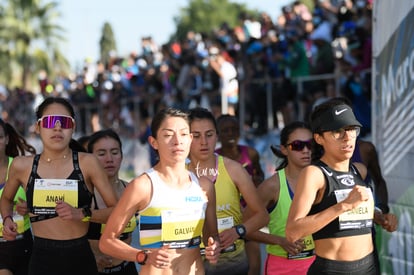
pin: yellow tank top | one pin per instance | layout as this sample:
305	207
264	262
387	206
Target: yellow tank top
228	207
23	222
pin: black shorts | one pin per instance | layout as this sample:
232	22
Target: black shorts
68	257
364	266
124	268
15	255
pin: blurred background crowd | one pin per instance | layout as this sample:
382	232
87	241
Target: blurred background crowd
281	67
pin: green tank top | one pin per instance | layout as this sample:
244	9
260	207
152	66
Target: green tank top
278	219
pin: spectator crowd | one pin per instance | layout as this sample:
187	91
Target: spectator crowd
330	45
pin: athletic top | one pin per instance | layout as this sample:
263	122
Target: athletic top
42	194
95	230
23	222
354	222
173	216
278	219
244	158
228	207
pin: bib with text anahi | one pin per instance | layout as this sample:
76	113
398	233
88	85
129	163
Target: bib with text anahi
48	191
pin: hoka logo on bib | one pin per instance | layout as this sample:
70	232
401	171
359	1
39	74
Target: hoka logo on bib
193	199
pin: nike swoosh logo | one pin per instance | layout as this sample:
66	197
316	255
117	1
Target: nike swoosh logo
326	171
340	111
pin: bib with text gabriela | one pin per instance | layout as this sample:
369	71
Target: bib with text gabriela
48	191
359	217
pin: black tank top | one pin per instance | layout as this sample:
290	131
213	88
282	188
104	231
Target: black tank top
338	181
84	195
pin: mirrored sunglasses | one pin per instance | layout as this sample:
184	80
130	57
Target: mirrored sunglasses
50	122
298	145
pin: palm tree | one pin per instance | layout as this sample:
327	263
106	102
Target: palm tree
30	38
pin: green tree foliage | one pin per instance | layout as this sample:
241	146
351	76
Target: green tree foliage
205	16
29	41
309	3
107	43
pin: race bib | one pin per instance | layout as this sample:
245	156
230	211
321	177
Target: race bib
308	251
225	223
182	228
48	191
359	217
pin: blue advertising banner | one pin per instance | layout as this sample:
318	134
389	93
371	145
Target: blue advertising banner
393	117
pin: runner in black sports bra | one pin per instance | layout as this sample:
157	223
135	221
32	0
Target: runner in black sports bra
58	201
84	195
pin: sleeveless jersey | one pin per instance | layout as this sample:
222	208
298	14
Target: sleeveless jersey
357	221
23	222
277	224
42	194
228	207
244	158
95	229
173	216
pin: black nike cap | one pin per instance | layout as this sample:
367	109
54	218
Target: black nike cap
335	118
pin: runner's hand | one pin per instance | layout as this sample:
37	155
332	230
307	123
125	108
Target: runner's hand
292	248
67	212
228	237
212	250
9	229
160	258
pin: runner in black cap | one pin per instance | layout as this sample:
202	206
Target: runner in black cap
332	202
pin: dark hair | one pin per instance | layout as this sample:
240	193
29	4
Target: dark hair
161	115
108	133
284	137
76	146
83	140
50	100
317	149
227	117
17	145
202	113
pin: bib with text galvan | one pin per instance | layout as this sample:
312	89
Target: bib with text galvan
182	228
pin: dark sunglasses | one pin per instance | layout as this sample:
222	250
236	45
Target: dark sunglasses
298	145
50	122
